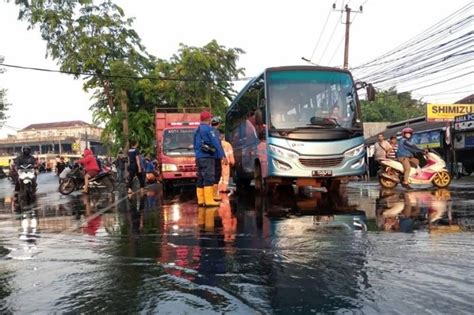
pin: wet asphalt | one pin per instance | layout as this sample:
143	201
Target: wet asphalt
356	250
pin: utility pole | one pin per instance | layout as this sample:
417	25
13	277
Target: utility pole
348	12
124	107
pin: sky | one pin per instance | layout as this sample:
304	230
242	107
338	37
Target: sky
272	33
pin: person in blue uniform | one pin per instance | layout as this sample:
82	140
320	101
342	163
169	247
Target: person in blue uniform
208	150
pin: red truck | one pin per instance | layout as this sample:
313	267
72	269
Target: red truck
175	149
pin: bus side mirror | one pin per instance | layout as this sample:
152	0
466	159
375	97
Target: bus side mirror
370	92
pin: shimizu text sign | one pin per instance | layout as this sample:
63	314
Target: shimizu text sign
447	112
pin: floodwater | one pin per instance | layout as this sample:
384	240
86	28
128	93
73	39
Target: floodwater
357	250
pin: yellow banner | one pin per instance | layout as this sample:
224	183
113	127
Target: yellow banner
447	112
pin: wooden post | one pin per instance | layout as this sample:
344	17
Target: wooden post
124	107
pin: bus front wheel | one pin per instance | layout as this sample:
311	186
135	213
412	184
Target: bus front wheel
260	183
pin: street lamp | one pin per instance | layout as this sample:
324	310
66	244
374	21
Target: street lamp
308	61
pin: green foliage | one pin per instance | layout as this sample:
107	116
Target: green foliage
390	106
3	102
86	36
203	78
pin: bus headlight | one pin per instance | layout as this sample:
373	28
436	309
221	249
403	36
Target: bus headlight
281	165
359	163
169	167
283	152
354	151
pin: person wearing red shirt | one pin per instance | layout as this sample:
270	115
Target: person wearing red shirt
91	168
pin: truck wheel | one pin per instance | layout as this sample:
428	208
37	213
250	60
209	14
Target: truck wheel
242	183
168	188
260	184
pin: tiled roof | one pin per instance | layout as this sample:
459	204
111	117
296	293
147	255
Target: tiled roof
467	100
418	126
59	124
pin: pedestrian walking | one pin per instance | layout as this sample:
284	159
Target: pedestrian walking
229	154
120	164
207	149
134	166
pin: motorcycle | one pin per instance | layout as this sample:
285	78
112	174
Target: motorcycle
27	182
75	181
434	172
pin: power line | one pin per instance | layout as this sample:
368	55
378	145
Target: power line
424	53
432	29
453	93
329	41
320	36
157	78
452	90
443	81
340	43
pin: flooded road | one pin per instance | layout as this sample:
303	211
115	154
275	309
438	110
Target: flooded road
357	250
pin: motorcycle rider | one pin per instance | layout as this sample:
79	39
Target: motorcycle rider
23	160
405	154
91	168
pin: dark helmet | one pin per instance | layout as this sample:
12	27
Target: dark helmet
407	130
26	150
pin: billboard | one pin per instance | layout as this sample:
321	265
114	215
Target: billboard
427	139
447	112
464	140
464	122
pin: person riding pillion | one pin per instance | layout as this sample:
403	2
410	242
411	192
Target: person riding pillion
208	150
405	154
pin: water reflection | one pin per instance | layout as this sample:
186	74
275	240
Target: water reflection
292	252
416	210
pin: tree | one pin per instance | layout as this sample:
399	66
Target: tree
94	37
84	37
3	101
391	106
201	78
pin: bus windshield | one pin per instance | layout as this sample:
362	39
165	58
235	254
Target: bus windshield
311	99
178	141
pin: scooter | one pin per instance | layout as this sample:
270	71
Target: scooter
75	181
434	172
27	181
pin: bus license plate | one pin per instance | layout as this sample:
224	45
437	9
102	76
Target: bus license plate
322	173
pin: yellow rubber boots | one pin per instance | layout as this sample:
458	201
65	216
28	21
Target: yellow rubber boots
200	196
209	197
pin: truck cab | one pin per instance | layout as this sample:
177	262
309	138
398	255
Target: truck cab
175	150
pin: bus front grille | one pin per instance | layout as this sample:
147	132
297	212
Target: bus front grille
326	162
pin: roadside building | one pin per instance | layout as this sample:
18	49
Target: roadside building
427	135
433	135
66	137
463	139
